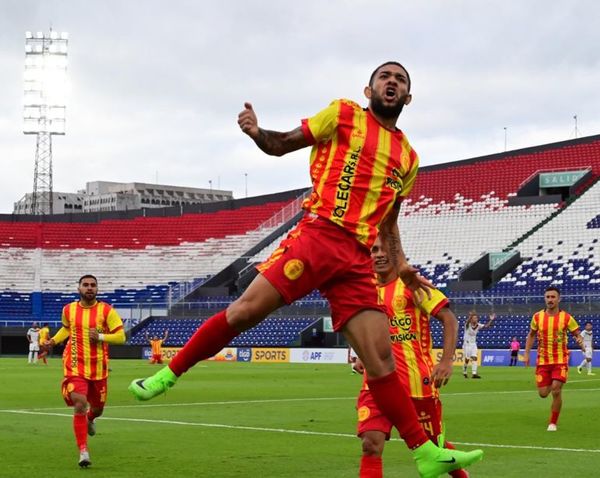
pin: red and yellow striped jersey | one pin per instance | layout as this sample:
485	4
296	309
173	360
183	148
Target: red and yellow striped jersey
44	335
411	336
552	336
156	346
81	358
358	168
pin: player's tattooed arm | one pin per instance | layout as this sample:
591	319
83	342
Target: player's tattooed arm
278	143
390	238
275	143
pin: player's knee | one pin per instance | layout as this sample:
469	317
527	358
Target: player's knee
544	392
243	314
372	446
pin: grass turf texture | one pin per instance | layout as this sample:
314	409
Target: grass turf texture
283	420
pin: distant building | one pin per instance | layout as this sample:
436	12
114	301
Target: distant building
62	203
111	196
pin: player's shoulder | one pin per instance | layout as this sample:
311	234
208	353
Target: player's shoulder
347	103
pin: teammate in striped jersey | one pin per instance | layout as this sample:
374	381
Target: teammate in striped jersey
408	316
588	344
361	167
156	345
90	326
44	337
550	326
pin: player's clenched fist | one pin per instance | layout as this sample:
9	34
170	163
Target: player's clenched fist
247	121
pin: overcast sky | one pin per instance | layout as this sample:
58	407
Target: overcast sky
156	86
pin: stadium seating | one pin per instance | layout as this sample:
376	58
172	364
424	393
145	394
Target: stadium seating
456	212
273	332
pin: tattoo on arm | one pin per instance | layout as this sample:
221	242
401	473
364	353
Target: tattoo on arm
390	236
278	143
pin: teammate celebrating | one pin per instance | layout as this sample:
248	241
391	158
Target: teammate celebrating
361	167
410	334
156	345
472	328
550	326
33	336
588	345
90	326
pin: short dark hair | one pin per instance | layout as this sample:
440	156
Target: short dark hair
372	78
88	276
554	288
589	322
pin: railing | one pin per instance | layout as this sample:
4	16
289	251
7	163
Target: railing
280	217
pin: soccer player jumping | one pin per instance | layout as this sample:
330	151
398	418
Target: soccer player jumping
90	326
361	167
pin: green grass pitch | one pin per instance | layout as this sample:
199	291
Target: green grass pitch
283	420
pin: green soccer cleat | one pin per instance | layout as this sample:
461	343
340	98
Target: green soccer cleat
433	461
147	388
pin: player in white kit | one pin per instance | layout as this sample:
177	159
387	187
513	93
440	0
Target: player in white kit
472	328
33	335
588	343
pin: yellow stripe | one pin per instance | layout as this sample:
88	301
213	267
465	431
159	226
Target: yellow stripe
85	332
329	161
382	156
356	143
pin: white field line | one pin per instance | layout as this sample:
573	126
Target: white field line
295	432
291	400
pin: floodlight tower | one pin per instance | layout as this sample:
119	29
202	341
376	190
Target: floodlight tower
44	106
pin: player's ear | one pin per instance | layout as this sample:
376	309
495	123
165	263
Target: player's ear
368	92
408	100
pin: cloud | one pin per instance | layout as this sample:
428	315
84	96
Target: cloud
156	87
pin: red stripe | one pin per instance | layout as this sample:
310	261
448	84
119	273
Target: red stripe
307	132
387	194
555	333
329	189
67	352
80	350
439	307
364	169
93	311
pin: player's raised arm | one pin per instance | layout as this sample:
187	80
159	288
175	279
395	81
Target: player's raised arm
274	143
490	322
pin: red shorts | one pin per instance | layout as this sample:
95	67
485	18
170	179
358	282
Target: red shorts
545	374
94	390
370	418
156	358
319	254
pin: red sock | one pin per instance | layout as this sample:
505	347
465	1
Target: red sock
554	417
209	339
371	467
393	400
80	429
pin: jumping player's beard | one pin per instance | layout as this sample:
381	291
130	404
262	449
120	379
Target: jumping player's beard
384	111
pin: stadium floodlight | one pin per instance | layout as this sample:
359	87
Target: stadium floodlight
44	106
